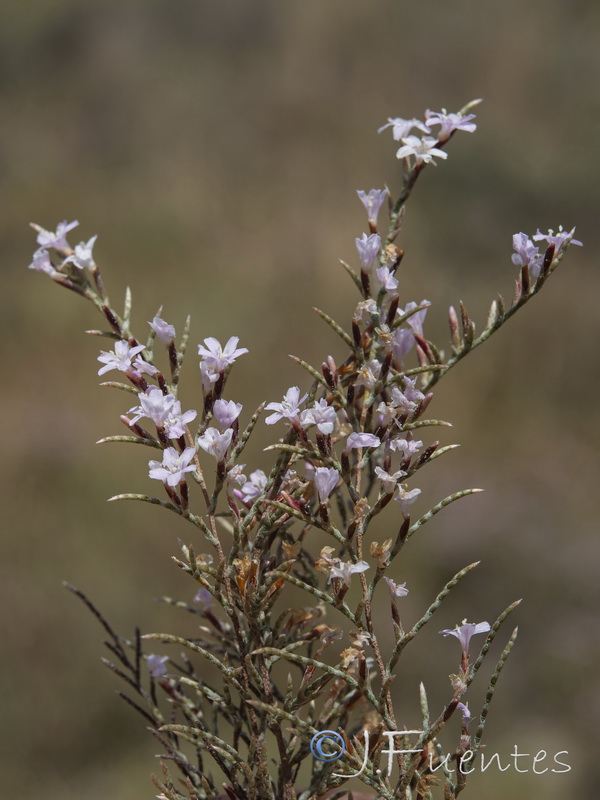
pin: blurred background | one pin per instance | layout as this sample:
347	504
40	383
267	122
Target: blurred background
215	148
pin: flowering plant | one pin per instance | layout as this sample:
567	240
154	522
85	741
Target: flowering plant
348	451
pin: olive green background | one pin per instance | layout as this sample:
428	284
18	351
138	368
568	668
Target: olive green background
216	147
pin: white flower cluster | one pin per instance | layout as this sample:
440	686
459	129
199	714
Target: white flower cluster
49	241
423	149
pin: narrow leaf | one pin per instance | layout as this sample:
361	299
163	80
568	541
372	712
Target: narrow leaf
437	508
311	371
132	439
337	328
123	386
353	275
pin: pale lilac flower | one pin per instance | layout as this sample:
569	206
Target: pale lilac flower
405	497
465	631
203	598
144	367
423	149
289	408
175	421
450	122
153	404
402	402
372	202
389	481
464	710
558	239
368	248
402	127
411	391
209	376
157	665
255	485
57	239
226	412
322	415
326	480
387	413
387	279
173	467
526	254
403	342
164	331
41	261
356	440
397	589
289	479
417	319
236	478
83	256
368	374
345	570
216	443
218	358
120	358
407	447
409	399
